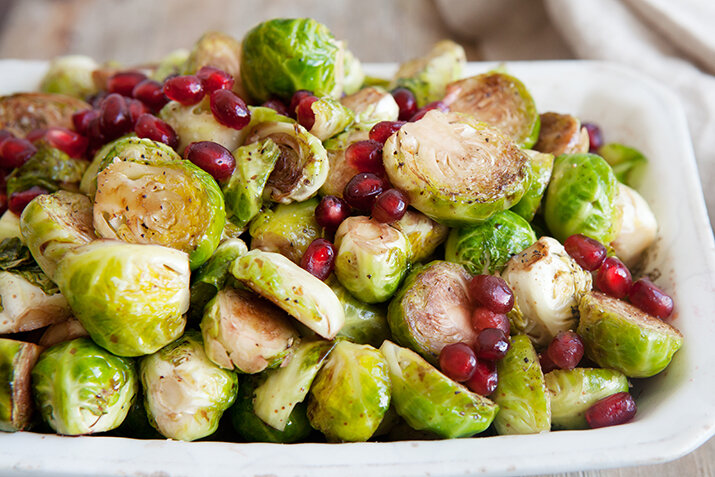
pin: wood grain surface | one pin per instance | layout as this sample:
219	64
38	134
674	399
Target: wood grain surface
134	31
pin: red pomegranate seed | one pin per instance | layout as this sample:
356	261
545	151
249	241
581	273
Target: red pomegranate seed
484	380
295	100
595	137
365	156
229	109
362	190
15	151
616	409
3	202
613	278
96	99
458	361
95	134
19	200
211	157
304	112
124	83
587	252
492	292
319	258
565	350
136	109
492	344
5	135
433	105
151	127
36	134
331	211
406	101
214	78
151	93
390	206
651	299
73	144
114	116
187	89
483	317
546	363
81	120
384	129
277	105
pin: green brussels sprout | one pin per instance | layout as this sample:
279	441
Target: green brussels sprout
10	226
429	400
65	330
147	194
456	169
432	309
620	336
524	404
244	332
53	224
341	171
287	229
353	74
561	134
637	228
21	113
364	323
331	118
423	233
49	168
81	388
171	64
293	289
130	298
185	394
487	247
16	362
547	284
372	105
281	56
628	163
541	165
70	75
427	77
581	198
500	100
371	258
574	391
351	393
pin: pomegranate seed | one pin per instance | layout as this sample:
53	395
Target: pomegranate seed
96	99
546	363
595	137
229	109
186	90
492	292
19	200
384	129
114	116
304	112
214	78
458	361
151	127
433	105
484	380
81	120
15	151
616	409
390	206
651	299
73	144
124	83
483	317
331	211
406	101
277	105
95	134
587	252
565	350
211	157
319	258
492	344
151	93
613	278
36	134
3	202
295	100
136	109
5	135
365	156
362	190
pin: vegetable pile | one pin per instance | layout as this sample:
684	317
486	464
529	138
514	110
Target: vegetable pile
255	241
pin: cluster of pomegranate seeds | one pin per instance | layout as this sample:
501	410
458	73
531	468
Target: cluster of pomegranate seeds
151	93
458	361
484	380
361	191
406	101
19	200
587	252
616	409
365	156
331	211
277	105
304	112
483	318
651	299
15	151
492	292
384	129
595	137
390	206
212	158
151	127
564	352
187	89
613	278
319	258
429	107
229	109
214	78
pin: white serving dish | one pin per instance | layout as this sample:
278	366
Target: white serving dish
676	409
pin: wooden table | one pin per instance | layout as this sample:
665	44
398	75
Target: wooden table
133	31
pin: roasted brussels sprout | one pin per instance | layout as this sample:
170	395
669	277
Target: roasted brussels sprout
561	134
353	74
372	105
637	226
331	118
215	49
16	361
70	75
66	330
10	226
628	163
423	233
50	169
81	388
185	394
456	169
170	65
364	323
541	165
24	112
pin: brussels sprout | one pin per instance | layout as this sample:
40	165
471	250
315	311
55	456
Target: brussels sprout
456	169
171	64
146	194
432	309
628	163
49	168
371	258
618	335
293	289
285	387
364	324
423	233
429	400
581	198
281	56
185	394
16	361
25	305
353	74
351	393
541	165
341	171
81	388
70	75
287	229
245	332
637	226
331	118
499	100
487	247
428	76
130	298
215	49
561	134
548	285
66	330
524	404
232	231
24	112
372	105
573	391
10	226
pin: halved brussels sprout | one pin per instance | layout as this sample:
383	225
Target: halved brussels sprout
499	100
429	400
618	335
130	298
331	118
10	226
581	198
541	165
353	74
574	391
171	64
147	194
185	394
432	309
70	75
487	247
26	306
50	169
81	388
66	330
341	171
423	233
293	289
456	169
628	163
16	362
561	134
547	284
21	113
364	323
637	226
428	76
372	105
524	404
